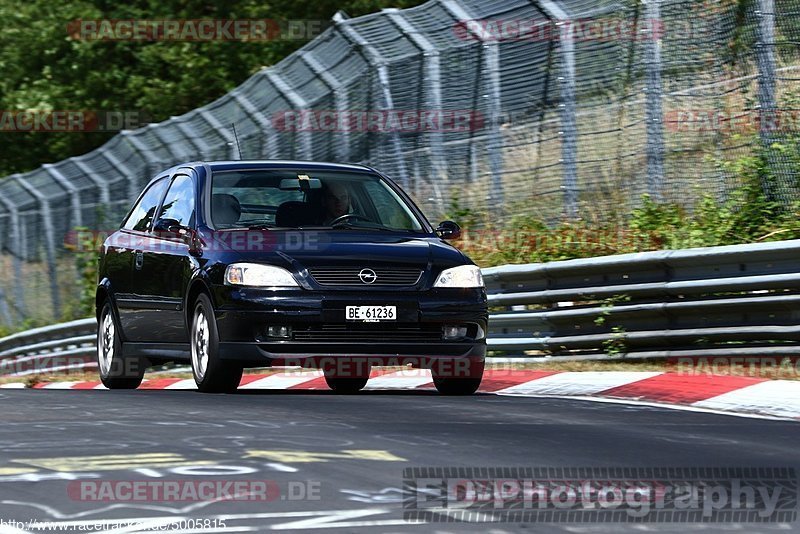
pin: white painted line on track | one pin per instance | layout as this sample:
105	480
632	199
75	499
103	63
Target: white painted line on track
189	383
59	385
776	397
409	379
577	383
282	380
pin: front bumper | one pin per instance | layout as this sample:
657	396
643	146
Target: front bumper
320	332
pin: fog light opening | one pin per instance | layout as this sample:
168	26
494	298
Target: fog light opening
279	332
454	332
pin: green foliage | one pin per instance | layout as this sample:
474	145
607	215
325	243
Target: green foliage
45	69
614	345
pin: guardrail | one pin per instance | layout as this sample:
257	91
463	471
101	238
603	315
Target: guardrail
732	300
60	347
735	300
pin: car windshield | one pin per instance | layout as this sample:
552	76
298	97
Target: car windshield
306	198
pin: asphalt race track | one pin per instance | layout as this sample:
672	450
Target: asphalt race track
337	460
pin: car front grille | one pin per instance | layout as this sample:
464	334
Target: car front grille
358	333
352	276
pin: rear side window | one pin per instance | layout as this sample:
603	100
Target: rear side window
179	202
143	214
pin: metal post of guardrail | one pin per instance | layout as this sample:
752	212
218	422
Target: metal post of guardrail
377	62
653	106
491	83
269	149
433	85
342	150
300	105
49	246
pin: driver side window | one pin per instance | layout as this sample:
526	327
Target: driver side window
179	202
142	216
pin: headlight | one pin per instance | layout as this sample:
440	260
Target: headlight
463	276
254	274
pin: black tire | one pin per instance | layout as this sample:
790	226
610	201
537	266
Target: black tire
211	374
346	384
116	372
458	385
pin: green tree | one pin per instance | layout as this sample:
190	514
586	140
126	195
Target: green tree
45	69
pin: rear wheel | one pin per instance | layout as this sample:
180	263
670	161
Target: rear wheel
115	371
211	374
453	384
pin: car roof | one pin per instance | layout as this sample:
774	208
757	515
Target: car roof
233	165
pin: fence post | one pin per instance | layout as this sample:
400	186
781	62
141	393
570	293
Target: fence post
492	93
341	151
194	140
16	238
117	164
300	105
377	62
433	87
74	194
654	113
102	185
765	58
569	124
49	236
177	150
270	147
134	187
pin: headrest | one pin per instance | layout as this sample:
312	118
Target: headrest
225	209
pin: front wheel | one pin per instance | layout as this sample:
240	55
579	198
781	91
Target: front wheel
115	371
458	383
211	374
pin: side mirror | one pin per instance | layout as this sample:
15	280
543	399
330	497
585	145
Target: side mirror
448	230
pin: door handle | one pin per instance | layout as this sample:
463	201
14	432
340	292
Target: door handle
139	261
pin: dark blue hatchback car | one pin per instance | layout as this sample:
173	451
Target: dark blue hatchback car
241	264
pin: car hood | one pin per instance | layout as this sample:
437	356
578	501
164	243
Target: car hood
300	250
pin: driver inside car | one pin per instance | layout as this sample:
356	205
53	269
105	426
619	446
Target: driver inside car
335	201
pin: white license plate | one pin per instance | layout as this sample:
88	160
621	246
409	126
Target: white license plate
371	313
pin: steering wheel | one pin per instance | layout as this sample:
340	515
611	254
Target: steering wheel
346	216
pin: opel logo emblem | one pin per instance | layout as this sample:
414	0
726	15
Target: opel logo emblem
367	276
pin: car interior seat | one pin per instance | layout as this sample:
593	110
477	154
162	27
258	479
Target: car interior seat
295	213
225	209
